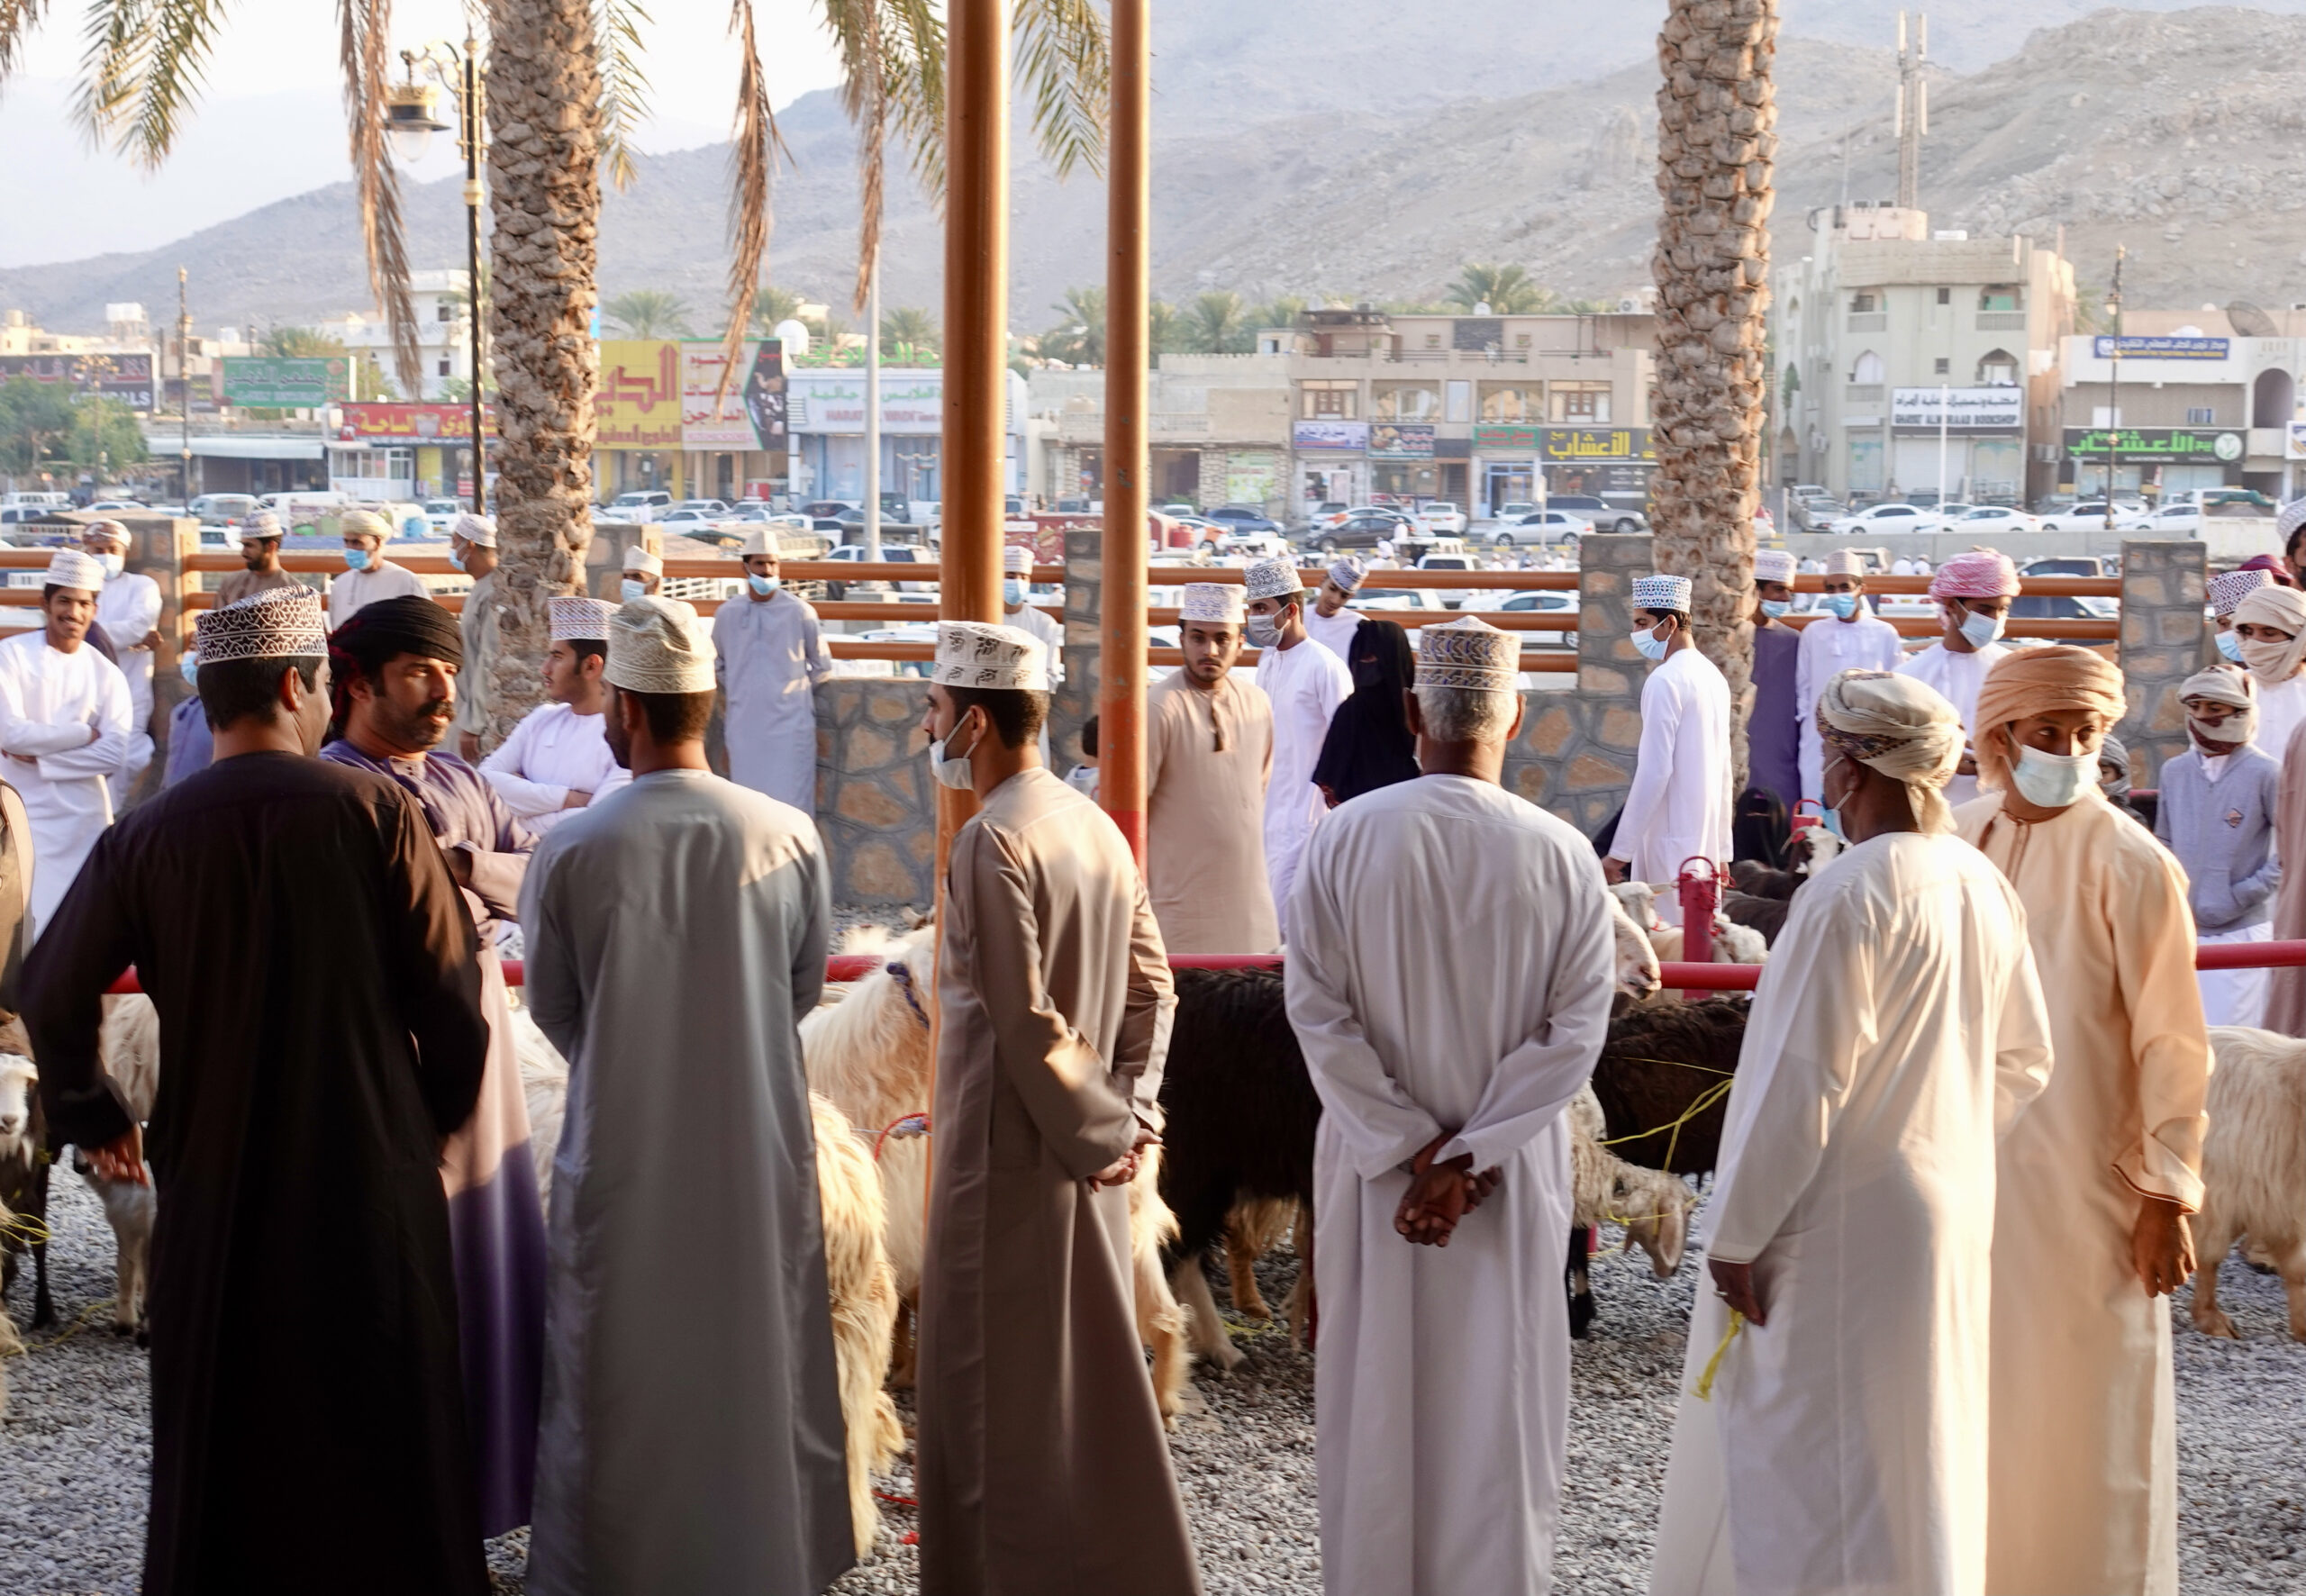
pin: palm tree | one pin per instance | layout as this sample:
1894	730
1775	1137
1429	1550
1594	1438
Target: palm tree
1507	290
1217	323
772	308
1163	331
912	332
1282	310
294	343
648	313
1079	338
1716	116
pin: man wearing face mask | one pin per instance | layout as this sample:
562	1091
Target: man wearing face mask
769	658
1018	610
393	673
2227	589
1678	808
1847	637
1974	592
1042	1464
1774	732
1331	622
128	611
2271	624
2095	1182
643	578
2216	815
472	549
1208	754
368	577
1305	686
191	744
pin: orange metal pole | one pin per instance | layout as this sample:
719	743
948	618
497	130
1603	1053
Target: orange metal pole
1121	657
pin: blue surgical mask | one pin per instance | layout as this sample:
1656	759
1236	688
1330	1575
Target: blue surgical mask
188	667
1773	608
1013	591
763	586
457	559
1981	630
632	590
355	559
1843	604
2230	644
113	564
1652	646
2053	781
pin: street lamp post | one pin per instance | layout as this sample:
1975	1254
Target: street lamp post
183	377
409	117
2114	384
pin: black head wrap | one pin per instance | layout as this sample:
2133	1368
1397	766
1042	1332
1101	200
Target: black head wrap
1369	743
380	632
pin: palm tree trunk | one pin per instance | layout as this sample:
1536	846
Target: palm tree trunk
1717	145
544	93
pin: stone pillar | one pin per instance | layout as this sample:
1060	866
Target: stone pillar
1575	753
2164	639
1075	699
157	548
876	808
604	555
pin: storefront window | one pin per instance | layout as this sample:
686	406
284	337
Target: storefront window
1405	481
1581	402
1866	464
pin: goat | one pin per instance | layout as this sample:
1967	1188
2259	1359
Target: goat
862	1291
23	1181
1659	1062
2253	1167
1652	1206
128	1046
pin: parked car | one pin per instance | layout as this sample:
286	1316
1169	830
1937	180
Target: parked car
1443	518
2181	519
639	500
222	509
1178	508
1885	518
1991	519
1253	544
1451	597
1598	512
1515	509
1364	531
1548	603
1815	513
1387	601
117	507
1548	526
2071	565
440	514
2090	516
1243	518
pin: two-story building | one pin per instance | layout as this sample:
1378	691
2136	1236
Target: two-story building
1911	363
1218	432
2183	402
1476	410
442	312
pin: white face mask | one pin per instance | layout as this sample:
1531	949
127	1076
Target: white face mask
2053	781
632	590
113	564
951	771
1980	630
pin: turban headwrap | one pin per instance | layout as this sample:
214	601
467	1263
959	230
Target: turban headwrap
2039	682
2115	752
381	630
2284	610
2223	684
1982	573
1900	727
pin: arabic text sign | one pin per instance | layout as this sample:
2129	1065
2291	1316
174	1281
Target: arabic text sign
125	377
638	402
301	382
422	423
2155	444
913	402
2140	347
1596	445
1964	410
750	413
1512	440
1400	440
1349	436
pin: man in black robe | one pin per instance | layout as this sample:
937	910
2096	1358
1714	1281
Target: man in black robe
320	1032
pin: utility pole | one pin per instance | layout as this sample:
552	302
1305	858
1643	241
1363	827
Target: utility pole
872	414
470	131
2114	386
1914	110
184	375
1121	655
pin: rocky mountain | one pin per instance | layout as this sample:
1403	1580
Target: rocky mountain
1329	147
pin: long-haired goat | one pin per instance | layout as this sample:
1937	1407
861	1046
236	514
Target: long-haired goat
23	1181
2253	1167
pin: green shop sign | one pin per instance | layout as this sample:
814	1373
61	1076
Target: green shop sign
2161	446
301	382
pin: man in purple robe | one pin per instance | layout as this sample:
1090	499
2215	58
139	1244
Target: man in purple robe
394	672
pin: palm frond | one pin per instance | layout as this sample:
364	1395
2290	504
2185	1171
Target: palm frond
624	89
1065	68
144	63
364	53
18	18
758	144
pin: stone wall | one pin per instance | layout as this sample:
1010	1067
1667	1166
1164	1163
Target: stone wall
1575	753
2164	639
875	806
1076	698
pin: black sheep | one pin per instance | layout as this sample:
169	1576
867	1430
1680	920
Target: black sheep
1660	1059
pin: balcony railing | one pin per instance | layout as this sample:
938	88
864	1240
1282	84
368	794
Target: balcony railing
2002	321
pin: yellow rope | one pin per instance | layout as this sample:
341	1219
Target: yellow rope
29	1229
1713	1364
1705	1100
87	1314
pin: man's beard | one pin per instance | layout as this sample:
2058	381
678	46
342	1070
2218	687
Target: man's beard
424	727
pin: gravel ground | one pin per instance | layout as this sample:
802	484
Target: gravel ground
76	1445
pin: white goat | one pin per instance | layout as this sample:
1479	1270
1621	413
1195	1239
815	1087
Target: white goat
1652	1205
128	1046
2253	1167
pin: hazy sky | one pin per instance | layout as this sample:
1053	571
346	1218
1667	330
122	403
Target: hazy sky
270	123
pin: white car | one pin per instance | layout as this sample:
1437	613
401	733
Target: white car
2090	516
1887	518
2180	520
1515	509
1559	527
1443	518
639	500
1254	545
1989	519
1451	597
1564	604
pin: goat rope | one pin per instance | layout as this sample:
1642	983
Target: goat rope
1703	1389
